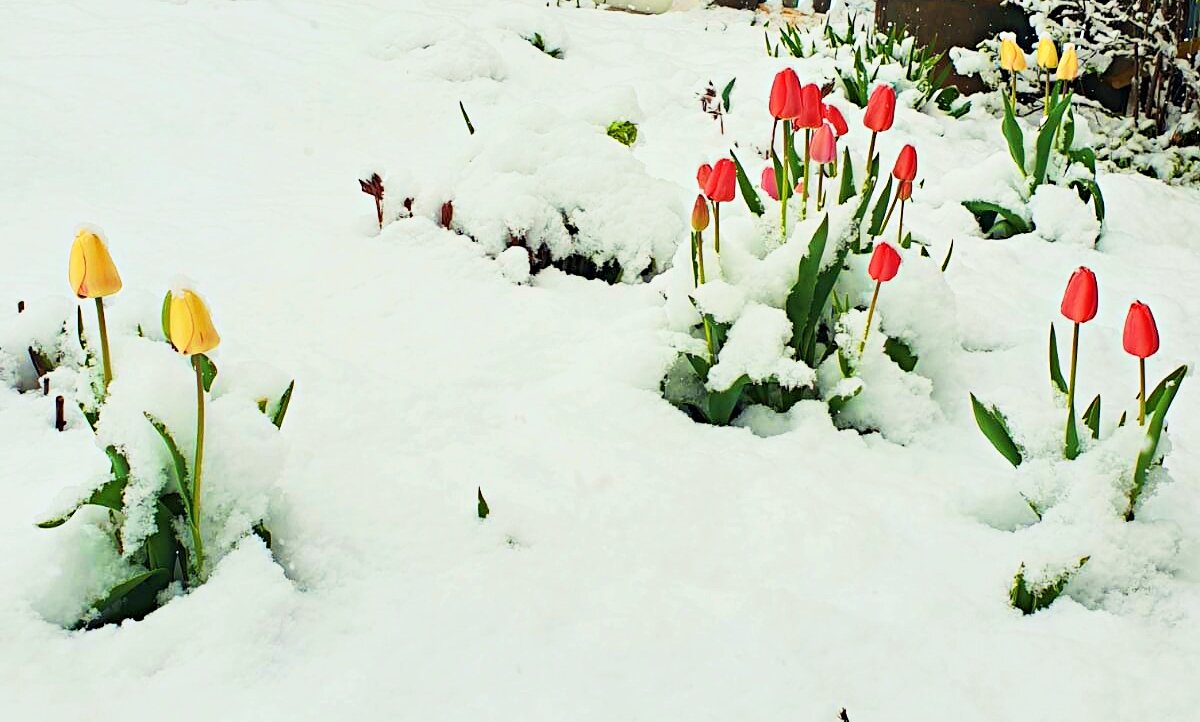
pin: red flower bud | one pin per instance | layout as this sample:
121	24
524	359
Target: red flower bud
1081	297
1141	333
824	144
835	118
447	217
881	109
770	184
906	164
785	95
810	107
702	175
904	191
700	214
721	182
884	263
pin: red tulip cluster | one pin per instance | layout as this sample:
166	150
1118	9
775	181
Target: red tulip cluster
801	108
718	183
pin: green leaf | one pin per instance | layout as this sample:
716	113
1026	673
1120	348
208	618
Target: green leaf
880	212
1071	441
281	409
749	195
985	213
133	598
1149	450
482	509
111	495
261	531
1156	395
949	252
623	131
1091	417
725	94
846	192
995	427
162	548
1031	598
182	478
1014	136
900	352
837	402
1092	190
800	298
166	318
208	370
1056	374
720	405
466	118
1045	140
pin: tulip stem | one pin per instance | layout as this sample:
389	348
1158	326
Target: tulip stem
887	218
862	345
1046	102
900	229
197	470
1013	74
820	187
698	249
1071	385
106	359
807	160
784	188
870	158
1142	392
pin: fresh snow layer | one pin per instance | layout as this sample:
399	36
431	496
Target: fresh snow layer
636	565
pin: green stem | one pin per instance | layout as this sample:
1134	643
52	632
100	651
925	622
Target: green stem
1071	384
807	160
870	159
784	188
870	315
1142	392
716	229
887	218
106	357
900	228
1046	102
698	244
197	470
1013	95
820	187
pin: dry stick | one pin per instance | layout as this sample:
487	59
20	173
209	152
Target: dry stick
60	417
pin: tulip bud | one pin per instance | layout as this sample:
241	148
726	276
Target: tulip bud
1011	57
785	95
1141	333
824	145
721	182
906	164
700	214
810	107
904	190
881	109
1068	66
91	270
885	262
190	326
1047	54
702	175
770	184
1081	297
835	118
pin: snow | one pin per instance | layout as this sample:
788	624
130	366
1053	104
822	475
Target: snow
636	565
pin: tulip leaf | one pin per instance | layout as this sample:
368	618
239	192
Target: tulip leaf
133	598
881	206
111	495
208	370
1085	186
1045	140
481	507
846	192
725	94
281	409
1031	598
166	318
995	427
1056	374
1071	441
800	300
1091	417
901	353
1155	395
949	252
1014	136
720	405
182	478
995	220
261	531
162	548
1149	450
753	202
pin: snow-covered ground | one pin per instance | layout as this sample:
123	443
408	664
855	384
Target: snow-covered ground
636	565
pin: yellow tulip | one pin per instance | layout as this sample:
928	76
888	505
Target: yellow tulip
1047	54
92	272
1011	57
1068	67
190	325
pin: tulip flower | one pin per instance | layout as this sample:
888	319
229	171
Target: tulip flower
885	262
824	151
1141	340
1047	60
1079	304
809	119
904	190
190	329
720	188
699	223
906	164
835	118
770	184
881	113
904	171
699	214
702	175
1068	65
785	95
1012	60
93	274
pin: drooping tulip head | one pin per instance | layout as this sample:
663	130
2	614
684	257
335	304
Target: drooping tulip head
91	270
699	214
885	262
1068	65
702	175
189	324
1047	54
881	109
785	95
770	184
810	107
721	182
1141	333
835	118
824	144
906	164
1081	298
904	190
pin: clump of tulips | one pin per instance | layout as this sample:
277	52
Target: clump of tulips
174	551
1140	339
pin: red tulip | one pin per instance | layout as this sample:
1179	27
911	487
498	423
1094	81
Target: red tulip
835	118
881	109
906	164
904	191
700	214
770	184
1141	333
810	107
824	144
1081	297
702	175
785	95
721	182
884	263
